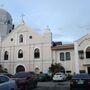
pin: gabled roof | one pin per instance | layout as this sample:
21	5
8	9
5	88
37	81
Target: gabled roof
22	27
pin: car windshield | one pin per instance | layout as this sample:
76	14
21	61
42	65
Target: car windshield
83	76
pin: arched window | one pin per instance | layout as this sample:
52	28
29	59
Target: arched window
88	53
8	22
6	55
21	38
20	54
62	56
10	31
67	55
36	53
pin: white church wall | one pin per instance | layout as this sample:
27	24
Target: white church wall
27	46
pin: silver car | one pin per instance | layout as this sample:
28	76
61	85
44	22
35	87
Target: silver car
7	83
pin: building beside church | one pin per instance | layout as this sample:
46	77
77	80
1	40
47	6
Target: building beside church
21	48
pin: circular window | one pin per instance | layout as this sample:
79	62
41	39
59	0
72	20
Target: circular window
11	39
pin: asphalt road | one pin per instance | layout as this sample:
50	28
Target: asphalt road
53	86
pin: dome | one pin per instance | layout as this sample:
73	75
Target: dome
5	22
4	14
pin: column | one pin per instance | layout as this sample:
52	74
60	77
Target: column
76	57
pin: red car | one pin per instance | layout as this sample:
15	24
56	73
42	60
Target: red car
26	80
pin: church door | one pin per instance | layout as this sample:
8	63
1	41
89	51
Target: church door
20	68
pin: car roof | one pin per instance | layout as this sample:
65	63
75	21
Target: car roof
81	75
22	74
7	74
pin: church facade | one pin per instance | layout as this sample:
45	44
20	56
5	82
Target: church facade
23	49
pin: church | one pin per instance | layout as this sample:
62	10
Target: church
23	49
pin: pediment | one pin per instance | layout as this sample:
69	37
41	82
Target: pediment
83	39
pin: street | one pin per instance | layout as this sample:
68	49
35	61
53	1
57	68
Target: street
52	86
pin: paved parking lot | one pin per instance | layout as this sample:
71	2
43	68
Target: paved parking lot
52	86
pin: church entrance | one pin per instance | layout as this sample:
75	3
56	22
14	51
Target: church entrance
88	69
20	68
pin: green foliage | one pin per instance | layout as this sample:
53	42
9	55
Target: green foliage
57	67
69	76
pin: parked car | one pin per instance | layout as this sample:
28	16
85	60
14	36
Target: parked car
26	80
7	74
44	77
7	83
59	77
80	81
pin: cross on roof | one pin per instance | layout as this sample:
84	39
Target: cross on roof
22	18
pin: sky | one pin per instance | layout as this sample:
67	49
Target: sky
68	20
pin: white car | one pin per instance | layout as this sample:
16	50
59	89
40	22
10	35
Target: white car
7	83
59	77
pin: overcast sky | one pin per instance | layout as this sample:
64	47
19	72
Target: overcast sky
68	20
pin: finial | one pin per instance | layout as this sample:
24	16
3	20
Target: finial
22	18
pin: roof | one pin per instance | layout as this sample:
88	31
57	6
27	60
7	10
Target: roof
56	43
4	14
63	47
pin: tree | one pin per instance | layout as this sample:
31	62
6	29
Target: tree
57	67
